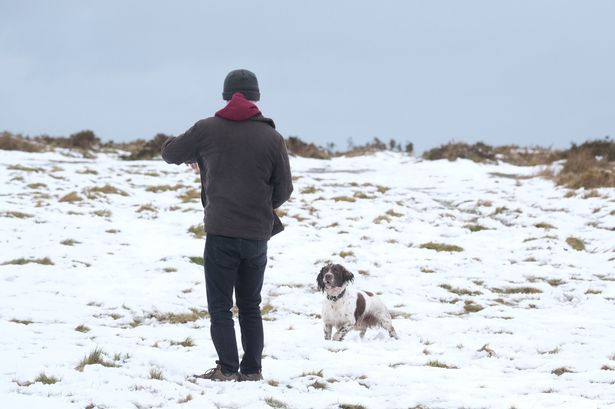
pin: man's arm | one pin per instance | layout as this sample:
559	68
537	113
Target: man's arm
181	149
281	178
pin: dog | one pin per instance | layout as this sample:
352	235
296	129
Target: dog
345	308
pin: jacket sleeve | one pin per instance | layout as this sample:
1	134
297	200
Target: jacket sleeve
181	149
281	177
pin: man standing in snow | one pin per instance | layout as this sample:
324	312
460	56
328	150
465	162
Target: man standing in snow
245	174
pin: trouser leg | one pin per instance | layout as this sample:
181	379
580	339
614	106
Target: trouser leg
222	261
248	296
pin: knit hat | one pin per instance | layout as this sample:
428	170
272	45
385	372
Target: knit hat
243	81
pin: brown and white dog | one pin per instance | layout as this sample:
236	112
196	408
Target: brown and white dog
346	308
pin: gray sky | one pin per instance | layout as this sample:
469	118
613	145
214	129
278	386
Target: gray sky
524	72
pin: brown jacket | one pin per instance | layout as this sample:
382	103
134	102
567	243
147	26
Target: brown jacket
245	173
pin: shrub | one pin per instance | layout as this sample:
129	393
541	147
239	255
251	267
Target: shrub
298	147
84	140
10	142
149	149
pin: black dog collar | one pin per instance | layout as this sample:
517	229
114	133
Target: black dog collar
336	297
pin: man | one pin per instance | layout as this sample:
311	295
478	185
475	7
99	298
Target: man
245	175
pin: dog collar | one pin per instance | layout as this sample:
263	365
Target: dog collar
336	297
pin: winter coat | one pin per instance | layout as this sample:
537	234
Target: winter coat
245	172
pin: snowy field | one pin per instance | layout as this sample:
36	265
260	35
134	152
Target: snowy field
494	306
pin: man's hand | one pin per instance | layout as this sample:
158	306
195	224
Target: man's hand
194	166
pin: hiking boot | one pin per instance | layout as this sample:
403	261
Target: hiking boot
250	377
217	374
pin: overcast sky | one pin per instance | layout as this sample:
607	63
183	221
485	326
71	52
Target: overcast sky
523	72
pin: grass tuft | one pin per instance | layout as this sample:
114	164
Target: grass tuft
16	215
561	371
575	243
71	198
198	231
69	242
21	261
197	260
440	247
45	379
82	328
96	357
108	190
517	290
274	403
156	374
188	342
437	364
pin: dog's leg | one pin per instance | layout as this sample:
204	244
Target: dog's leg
386	324
341	333
328	331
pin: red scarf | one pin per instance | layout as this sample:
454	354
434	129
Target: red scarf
238	109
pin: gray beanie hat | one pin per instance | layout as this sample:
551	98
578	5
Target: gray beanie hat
243	81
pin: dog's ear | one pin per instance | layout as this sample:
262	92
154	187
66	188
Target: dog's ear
320	278
347	276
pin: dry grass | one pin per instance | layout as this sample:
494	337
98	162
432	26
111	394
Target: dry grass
344	199
11	142
198	231
459	291
93	358
164	188
561	371
21	261
16	215
575	243
190	195
71	197
102	213
148	207
274	403
46	380
156	374
23	322
178	318
346	253
440	247
107	190
471	306
82	328
188	342
185	399
23	168
197	260
438	364
543	225
517	290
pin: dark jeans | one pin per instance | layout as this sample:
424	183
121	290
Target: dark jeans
239	264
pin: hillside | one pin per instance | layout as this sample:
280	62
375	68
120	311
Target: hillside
502	287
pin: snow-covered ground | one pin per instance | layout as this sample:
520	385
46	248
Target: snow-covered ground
515	318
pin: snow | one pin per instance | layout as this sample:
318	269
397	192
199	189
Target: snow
128	268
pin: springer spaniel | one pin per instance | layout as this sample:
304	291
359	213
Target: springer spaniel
346	308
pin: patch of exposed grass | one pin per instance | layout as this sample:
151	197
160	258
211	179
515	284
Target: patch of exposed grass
37	185
46	379
107	190
267	308
71	198
313	373
607	368
25	168
591	291
148	207
382	189
517	290
82	328
96	357
23	322
87	172
169	270
475	227
155	373
112	231
381	218
393	213
459	291
438	364
318	385
309	190
102	213
274	403
190	195
561	371
555	282
188	342
344	199
543	225
362	195
576	243
197	260
164	188
178	318
16	215
69	242
21	261
440	247
198	231
350	406
470	306
346	253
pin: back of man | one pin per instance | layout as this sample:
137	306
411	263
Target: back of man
245	175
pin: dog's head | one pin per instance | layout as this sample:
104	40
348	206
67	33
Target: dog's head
333	276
